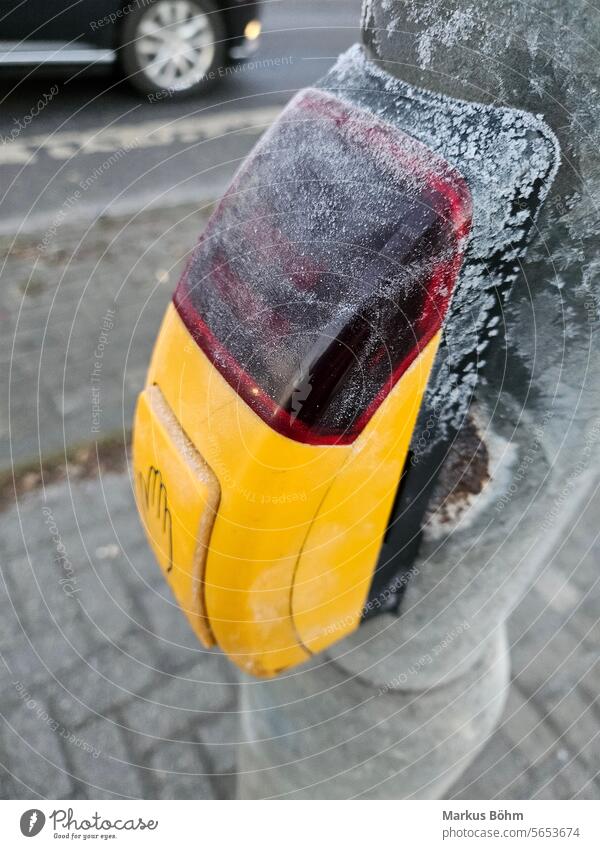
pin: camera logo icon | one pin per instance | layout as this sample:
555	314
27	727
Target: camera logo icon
32	822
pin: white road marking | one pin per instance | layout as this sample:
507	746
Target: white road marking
62	146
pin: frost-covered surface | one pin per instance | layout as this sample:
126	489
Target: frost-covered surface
538	393
509	159
328	264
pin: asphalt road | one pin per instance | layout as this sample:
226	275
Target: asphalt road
128	152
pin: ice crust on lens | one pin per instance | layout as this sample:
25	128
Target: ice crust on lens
509	159
329	263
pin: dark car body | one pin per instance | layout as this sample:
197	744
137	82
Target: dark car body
35	33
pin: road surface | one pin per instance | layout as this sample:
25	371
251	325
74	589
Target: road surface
126	152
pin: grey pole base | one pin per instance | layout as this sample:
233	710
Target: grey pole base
325	733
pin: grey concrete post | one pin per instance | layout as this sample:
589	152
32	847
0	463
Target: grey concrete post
399	709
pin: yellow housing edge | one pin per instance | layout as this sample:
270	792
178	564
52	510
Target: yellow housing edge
274	542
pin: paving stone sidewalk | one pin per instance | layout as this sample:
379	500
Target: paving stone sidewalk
106	694
57	288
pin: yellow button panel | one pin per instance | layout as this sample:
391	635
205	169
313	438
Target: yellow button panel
178	496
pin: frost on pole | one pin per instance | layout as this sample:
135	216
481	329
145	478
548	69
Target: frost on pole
508	159
515	382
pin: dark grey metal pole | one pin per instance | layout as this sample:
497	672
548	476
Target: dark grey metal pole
401	707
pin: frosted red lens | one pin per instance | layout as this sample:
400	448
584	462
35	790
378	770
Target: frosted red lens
326	268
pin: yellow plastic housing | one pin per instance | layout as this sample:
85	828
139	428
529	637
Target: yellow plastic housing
178	497
281	538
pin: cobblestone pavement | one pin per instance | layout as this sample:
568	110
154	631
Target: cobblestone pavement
105	692
53	303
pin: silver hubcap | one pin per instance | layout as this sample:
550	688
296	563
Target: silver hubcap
175	44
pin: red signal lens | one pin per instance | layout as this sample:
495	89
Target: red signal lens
326	268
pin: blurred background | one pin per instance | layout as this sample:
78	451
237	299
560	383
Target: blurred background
105	693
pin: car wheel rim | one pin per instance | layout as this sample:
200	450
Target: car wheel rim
175	44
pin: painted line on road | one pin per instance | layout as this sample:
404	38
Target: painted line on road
148	134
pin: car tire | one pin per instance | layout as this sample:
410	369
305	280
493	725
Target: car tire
190	38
